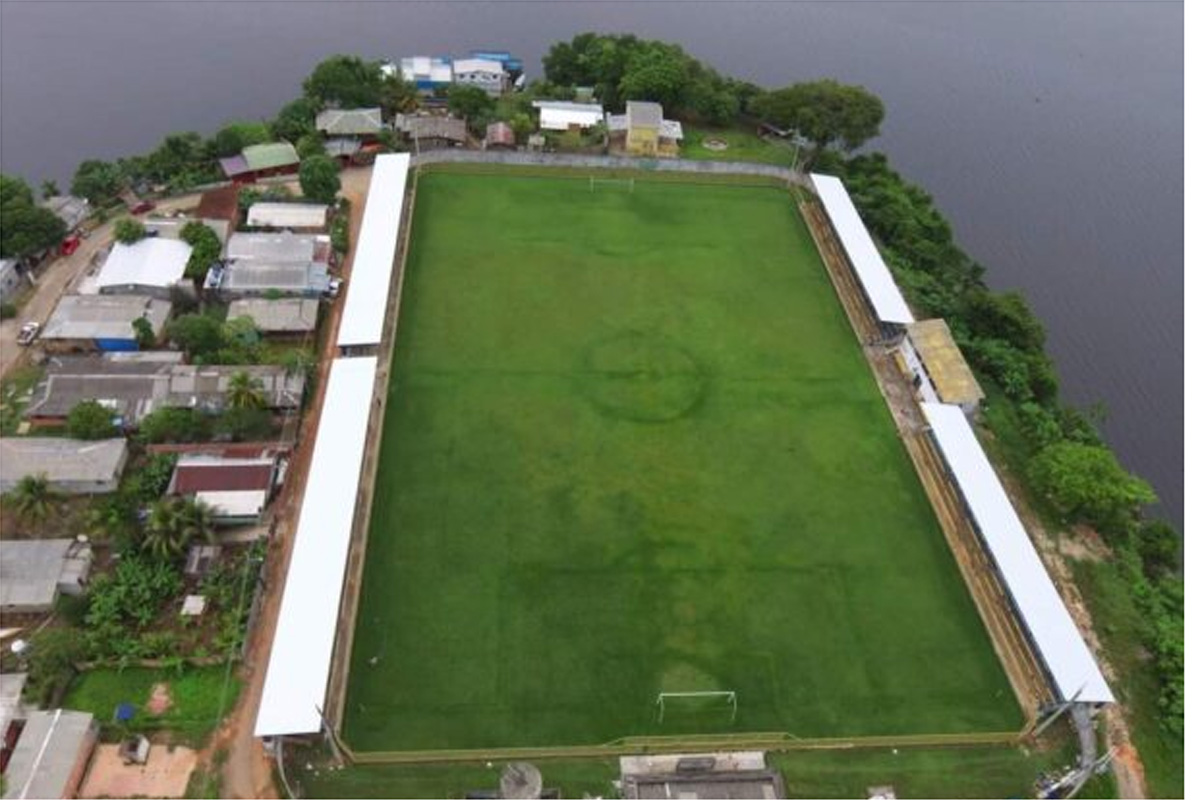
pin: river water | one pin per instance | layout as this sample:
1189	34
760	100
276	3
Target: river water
1051	133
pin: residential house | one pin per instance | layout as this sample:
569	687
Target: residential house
72	466
500	136
361	123
151	266
84	322
642	131
52	755
283	263
13	712
71	210
261	161
298	217
34	572
429	74
220	204
554	115
10	279
237	489
515	67
482	73
431	132
282	318
134	385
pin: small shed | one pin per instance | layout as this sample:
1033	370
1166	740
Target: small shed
500	136
939	371
36	571
432	131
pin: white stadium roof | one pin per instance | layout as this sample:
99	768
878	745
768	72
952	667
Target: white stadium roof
868	264
375	253
1065	655
298	672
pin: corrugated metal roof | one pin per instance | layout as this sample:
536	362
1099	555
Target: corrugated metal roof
560	116
206	473
148	262
873	273
284	315
375	256
104	316
270	156
1064	653
280	247
643	114
298	672
350	121
287	215
949	371
61	460
43	762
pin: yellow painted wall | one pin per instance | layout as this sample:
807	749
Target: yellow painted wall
642	141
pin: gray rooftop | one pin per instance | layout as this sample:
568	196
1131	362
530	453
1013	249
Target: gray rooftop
50	747
427	127
104	316
289	277
644	115
71	210
287	215
62	460
281	247
30	570
285	315
136	384
350	121
11	706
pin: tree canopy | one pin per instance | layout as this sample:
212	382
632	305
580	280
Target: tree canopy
196	334
295	119
206	248
319	179
91	420
345	81
230	140
825	112
25	227
98	181
471	103
1087	484
128	230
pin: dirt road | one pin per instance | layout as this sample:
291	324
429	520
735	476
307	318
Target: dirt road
57	276
247	769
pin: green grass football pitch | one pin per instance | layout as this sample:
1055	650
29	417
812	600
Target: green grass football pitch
632	447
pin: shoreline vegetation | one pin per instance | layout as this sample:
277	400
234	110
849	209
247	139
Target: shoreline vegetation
1069	475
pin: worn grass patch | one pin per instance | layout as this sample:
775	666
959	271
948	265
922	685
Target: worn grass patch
632	447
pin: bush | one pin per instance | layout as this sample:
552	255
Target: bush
174	425
52	660
148	483
1087	484
125	601
7	310
128	230
245	424
319	179
90	420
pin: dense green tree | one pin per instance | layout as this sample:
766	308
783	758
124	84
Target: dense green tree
25	227
173	425
198	335
178	155
345	81
245	424
91	420
128	230
319	179
244	391
50	189
825	112
174	524
398	96
98	181
1159	545
206	249
230	140
522	125
659	73
32	499
143	332
472	104
1087	484
1004	316
112	518
310	144
295	119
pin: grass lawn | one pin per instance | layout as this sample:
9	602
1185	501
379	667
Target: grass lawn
632	447
196	695
743	145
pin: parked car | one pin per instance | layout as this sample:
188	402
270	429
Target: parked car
335	286
142	207
28	333
69	245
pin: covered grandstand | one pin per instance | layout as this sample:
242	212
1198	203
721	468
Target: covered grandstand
871	272
375	255
1073	672
293	697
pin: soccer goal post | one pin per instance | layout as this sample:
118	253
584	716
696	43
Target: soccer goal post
689	699
619	183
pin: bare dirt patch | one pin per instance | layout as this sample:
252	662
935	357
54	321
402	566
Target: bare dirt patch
160	700
165	773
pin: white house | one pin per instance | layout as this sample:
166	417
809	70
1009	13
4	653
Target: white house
151	266
487	75
554	115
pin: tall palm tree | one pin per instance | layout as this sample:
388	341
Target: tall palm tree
244	391
174	524
33	498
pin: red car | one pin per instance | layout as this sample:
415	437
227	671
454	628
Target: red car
69	245
142	207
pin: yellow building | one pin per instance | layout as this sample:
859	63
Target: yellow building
642	131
